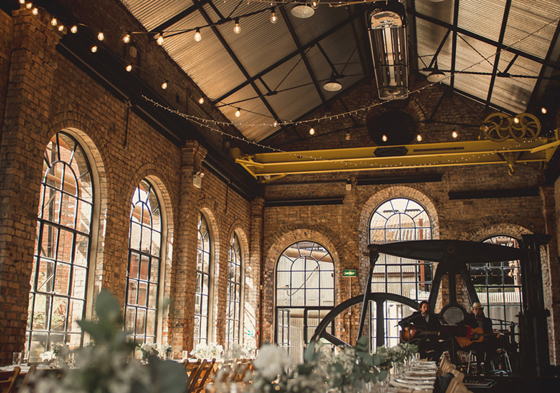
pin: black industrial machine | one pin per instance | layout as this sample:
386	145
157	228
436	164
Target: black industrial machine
452	257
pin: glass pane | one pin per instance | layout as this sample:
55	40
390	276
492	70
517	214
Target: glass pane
85	187
45	276
68	211
154	273
41	311
152	300
82	250
130	318
135	231
48	242
144	267
140	321
146	239
62	279
132	292
142	294
133	269
156	220
156	243
84	216
79	282
205	285
58	321
65	244
54	177
197	304
151	325
51	205
75	313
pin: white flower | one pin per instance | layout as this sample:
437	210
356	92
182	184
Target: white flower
48	356
271	361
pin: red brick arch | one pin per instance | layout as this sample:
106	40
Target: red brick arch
377	200
288	236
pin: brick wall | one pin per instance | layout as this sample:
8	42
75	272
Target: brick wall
47	94
343	229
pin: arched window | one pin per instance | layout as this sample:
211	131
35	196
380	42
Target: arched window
498	286
398	220
61	257
235	277
304	294
202	292
144	263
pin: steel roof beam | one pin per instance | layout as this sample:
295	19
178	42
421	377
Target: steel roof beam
310	44
234	57
546	71
454	44
485	40
181	15
497	58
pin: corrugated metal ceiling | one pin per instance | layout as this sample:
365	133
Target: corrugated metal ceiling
268	70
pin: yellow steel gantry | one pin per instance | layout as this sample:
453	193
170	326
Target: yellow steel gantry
269	166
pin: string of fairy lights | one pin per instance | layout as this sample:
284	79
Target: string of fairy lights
211	124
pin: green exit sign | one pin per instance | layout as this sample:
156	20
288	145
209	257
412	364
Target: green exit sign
349	273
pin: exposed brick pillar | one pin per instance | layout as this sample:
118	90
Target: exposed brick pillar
551	273
185	255
24	138
253	292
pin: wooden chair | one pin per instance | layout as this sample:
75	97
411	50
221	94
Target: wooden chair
191	367
8	380
202	374
241	370
28	379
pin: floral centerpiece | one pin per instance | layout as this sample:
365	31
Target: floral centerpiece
166	351
207	351
238	351
105	367
324	369
147	350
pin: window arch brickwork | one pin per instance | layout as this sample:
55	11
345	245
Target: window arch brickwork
289	235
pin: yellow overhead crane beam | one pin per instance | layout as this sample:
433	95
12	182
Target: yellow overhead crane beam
269	166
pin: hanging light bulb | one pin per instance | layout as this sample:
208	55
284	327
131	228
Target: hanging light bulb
100	36
347	136
516	120
454	135
384	138
238	112
312	131
197	35
315	4
22	1
273	17
160	39
29	6
94	49
164	85
35	11
201	100
74	29
129	68
275	123
237	28
543	110
62	29
126	38
419	138
54	22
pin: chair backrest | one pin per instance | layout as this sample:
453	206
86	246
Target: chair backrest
27	380
8	380
241	371
195	375
205	371
192	366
